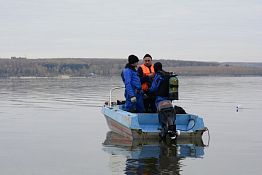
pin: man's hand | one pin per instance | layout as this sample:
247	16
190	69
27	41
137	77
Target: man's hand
145	96
133	99
151	75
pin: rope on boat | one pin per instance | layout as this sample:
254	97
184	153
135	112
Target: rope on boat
191	127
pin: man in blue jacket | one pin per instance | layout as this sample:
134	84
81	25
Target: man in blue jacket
159	85
166	113
133	89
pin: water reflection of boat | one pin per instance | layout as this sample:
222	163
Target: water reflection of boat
151	156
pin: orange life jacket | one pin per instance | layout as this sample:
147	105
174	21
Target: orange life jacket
147	72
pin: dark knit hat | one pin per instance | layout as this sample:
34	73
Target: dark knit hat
132	59
157	66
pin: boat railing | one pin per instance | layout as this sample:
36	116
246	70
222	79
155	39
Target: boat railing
111	92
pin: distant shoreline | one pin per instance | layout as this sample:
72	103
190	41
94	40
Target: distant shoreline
86	67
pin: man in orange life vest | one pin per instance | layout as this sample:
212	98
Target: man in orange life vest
146	73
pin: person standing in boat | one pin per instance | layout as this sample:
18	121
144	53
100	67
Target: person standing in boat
166	112
159	85
133	88
146	73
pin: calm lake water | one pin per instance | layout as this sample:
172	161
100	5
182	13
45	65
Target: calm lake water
55	126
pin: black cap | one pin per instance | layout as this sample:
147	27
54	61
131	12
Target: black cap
132	59
147	55
157	66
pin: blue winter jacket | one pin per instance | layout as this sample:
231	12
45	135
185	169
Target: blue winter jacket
132	89
132	82
158	79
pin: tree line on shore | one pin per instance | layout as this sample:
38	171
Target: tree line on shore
83	67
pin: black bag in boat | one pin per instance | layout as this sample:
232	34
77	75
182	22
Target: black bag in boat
179	110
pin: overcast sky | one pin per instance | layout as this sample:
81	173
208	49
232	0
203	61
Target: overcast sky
201	30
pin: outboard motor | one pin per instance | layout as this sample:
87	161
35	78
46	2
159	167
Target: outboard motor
167	119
